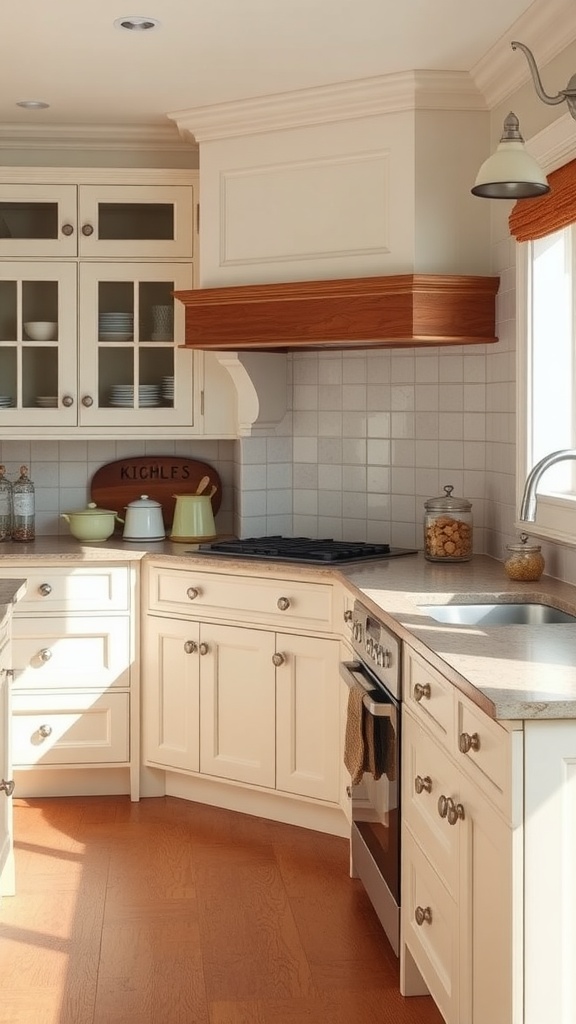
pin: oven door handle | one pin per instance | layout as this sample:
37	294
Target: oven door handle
352	673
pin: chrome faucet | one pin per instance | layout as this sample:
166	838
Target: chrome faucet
528	504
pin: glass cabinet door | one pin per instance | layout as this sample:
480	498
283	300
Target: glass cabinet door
38	220
37	344
150	221
131	368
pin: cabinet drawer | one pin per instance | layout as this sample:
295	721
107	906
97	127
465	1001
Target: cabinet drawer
434	943
242	598
485	752
59	589
428	695
71	653
85	728
428	775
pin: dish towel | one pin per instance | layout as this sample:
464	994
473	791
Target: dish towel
369	741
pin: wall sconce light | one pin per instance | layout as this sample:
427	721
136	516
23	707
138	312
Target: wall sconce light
511	173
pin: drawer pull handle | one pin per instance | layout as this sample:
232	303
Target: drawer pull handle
422	785
87	230
67	229
45	589
203	648
193	593
442	806
45	731
278	659
45	654
8	786
190	647
467	742
67	401
87	401
283	603
421	691
423	914
455	812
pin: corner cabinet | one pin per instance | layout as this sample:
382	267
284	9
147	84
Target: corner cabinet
93	267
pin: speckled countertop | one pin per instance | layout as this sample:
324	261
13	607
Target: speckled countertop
512	672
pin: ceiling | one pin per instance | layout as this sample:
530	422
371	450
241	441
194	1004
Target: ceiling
69	54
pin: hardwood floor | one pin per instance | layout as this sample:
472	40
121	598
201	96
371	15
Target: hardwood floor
168	912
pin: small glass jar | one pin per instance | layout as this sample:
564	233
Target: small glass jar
525	561
23	522
448	528
5	506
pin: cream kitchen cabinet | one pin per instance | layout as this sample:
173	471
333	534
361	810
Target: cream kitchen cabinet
6	780
75	698
122	215
458	879
230	696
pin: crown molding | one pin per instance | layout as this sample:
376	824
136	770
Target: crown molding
93	137
555	145
367	97
547	28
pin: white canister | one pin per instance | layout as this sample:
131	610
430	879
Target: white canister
144	520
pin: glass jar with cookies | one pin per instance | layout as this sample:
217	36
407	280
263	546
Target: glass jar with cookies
448	528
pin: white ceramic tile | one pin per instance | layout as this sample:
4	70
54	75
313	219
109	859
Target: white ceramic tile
354	478
279	502
47	499
354	451
378	397
353	528
377	532
354	504
330	477
451	397
403	480
252	450
253	503
402	424
379	366
378	507
329	396
330	526
378	424
474	426
304	370
73	474
305	502
450	366
451	426
330	369
403	508
330	503
354	397
305	424
16	452
452	454
403	453
402	367
474	397
277	526
305	475
330	450
331	424
426	397
305	525
254	478
402	397
306	449
305	397
378	452
426	369
354	371
426	452
279	474
47	474
474	369
426	424
378	479
278	449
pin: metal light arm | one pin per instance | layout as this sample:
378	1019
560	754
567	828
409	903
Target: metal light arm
568	94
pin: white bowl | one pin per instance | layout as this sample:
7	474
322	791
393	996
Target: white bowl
41	330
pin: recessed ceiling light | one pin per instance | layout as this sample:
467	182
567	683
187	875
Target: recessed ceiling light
32	104
136	23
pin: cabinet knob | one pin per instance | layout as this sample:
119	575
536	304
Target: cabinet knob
8	786
45	654
422	785
421	691
45	589
45	731
67	401
455	812
468	742
190	647
423	914
67	229
278	659
87	229
283	603
193	593
87	401
204	648
442	806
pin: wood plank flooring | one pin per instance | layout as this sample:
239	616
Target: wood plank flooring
170	912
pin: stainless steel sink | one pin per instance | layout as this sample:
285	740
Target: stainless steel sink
521	614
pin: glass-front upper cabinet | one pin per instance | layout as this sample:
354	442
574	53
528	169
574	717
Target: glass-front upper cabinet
37	344
104	221
132	370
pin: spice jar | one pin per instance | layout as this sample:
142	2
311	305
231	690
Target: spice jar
448	528
525	561
23	507
5	506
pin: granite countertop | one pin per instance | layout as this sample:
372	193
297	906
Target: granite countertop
512	672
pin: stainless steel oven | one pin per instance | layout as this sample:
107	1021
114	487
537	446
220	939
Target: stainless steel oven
375	831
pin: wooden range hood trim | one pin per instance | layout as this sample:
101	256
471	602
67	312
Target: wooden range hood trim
405	310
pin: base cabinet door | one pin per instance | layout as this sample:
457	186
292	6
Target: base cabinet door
237	704
171	723
308	751
6	848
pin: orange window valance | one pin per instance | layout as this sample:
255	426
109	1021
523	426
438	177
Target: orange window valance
534	218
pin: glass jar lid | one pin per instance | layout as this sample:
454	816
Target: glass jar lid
447	502
524	547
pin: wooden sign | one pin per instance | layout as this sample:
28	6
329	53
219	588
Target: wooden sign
160	477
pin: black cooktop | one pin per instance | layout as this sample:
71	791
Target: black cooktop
303	549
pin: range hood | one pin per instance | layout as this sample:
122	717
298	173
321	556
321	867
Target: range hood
405	310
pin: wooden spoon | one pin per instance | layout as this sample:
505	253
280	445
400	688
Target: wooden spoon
203	484
213	490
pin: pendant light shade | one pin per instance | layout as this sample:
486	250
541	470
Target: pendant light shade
510	173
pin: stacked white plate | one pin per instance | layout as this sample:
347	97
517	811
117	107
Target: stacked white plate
167	390
47	401
116	326
122	395
5	401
